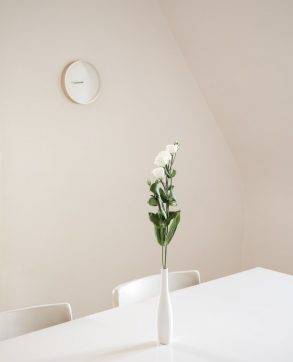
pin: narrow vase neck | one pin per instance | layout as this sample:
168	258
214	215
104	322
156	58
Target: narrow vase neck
164	279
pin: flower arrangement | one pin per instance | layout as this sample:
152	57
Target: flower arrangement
165	221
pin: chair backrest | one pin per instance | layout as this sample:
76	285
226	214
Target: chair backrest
140	289
20	321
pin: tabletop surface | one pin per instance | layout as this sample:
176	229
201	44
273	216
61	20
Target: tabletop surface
243	317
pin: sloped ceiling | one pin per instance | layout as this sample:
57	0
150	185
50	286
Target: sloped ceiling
241	54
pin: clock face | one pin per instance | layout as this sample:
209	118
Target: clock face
81	82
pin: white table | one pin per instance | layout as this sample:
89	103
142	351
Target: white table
244	317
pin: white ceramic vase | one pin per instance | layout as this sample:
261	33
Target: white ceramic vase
165	313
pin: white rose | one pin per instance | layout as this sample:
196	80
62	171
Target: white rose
172	148
158	173
162	158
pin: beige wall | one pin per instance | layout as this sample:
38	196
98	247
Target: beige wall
241	54
74	184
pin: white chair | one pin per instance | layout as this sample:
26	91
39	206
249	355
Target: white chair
20	321
140	289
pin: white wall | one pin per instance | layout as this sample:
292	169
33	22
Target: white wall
241	53
75	212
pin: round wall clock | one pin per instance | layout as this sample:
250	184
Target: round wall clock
81	82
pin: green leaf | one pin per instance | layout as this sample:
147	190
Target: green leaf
171	187
158	190
173	221
156	187
163	195
153	186
155	218
170	174
160	227
153	201
172	215
172	201
160	232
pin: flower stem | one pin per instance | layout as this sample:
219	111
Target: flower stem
165	257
